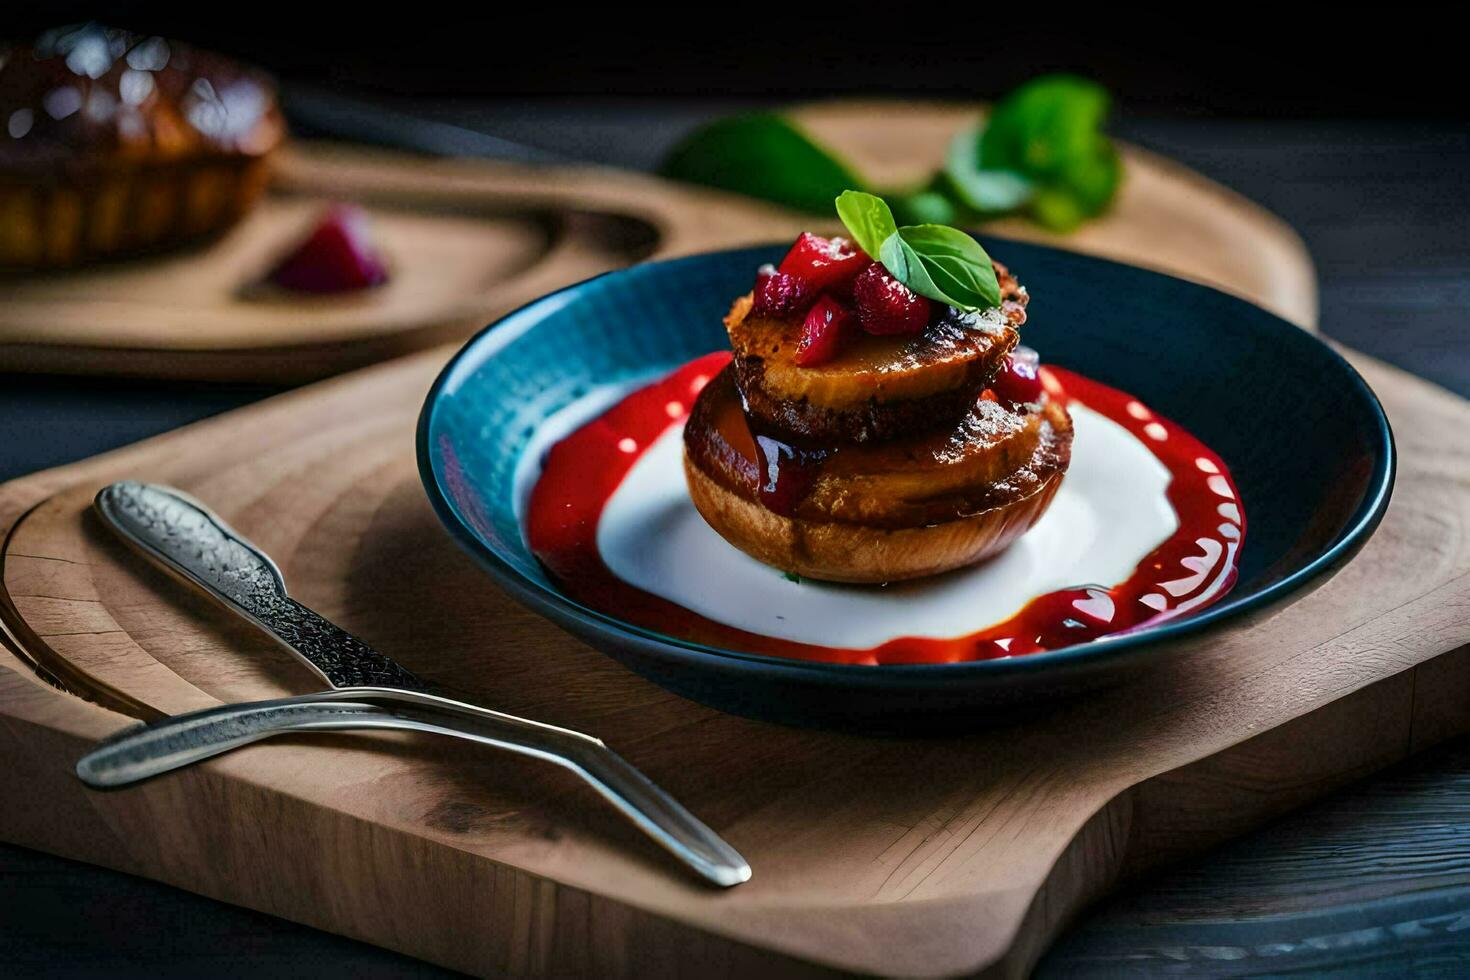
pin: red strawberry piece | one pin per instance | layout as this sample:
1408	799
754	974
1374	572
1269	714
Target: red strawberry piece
821	332
887	306
826	263
337	257
779	293
1019	380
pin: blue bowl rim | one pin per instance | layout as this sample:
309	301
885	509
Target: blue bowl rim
501	332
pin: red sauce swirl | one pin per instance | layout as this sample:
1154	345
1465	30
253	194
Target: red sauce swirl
1195	567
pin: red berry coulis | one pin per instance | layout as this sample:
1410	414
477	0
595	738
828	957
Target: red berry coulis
1195	567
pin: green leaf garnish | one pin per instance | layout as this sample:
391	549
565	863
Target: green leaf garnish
925	207
987	192
991	193
1044	125
933	260
867	219
1093	179
1041	153
942	263
1049	133
762	155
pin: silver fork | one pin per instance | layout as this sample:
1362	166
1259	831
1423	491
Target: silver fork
370	691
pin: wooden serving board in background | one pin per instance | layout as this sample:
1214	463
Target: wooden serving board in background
1166	217
930	857
465	241
470	239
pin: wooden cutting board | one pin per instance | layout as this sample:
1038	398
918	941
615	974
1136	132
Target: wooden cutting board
915	857
468	240
465	240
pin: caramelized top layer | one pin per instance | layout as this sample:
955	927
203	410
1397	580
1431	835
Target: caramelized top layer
879	388
82	95
892	368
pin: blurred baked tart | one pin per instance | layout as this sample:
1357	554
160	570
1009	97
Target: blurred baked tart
115	144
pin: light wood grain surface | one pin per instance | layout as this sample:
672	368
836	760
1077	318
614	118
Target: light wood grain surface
916	857
465	241
469	240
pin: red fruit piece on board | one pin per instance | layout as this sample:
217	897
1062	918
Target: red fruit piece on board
337	257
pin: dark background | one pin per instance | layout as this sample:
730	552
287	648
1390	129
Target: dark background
1179	59
1353	128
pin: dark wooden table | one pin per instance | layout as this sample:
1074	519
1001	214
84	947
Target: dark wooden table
1372	881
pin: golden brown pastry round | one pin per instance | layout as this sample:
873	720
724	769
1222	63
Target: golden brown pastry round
878	387
878	513
114	144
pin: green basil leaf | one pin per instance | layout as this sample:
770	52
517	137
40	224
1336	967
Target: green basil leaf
1056	210
1085	191
923	207
867	218
904	264
761	155
943	264
991	192
981	190
956	264
1093	179
1050	132
1041	126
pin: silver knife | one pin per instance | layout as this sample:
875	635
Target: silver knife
370	691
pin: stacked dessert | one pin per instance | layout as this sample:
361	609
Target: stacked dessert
878	421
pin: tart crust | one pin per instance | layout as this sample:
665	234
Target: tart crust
119	144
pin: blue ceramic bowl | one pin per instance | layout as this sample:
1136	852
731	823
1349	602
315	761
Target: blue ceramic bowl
1304	436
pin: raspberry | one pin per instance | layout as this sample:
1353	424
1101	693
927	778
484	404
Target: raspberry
780	294
828	264
1019	381
887	306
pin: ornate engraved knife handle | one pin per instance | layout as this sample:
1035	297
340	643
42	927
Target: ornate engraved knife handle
147	750
184	538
